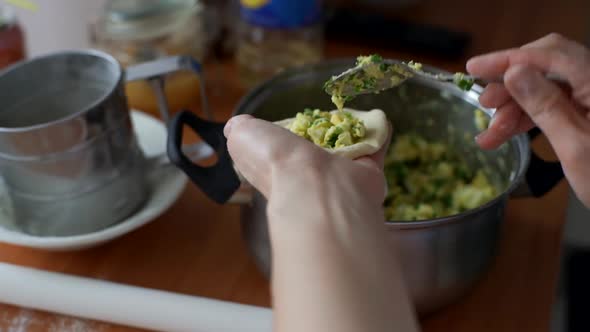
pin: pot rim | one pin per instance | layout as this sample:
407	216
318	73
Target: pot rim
521	141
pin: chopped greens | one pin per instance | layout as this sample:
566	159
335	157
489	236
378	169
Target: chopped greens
463	82
376	58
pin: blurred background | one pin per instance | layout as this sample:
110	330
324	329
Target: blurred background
251	40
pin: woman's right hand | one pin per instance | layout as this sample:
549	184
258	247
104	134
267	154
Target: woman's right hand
527	99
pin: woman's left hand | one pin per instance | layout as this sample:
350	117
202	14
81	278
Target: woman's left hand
333	268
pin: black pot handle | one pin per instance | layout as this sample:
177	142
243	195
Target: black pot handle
533	133
542	175
220	181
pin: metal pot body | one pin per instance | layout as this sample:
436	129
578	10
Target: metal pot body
441	258
440	263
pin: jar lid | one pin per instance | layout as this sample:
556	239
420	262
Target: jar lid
7	16
140	19
281	14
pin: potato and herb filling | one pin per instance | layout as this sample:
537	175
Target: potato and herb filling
481	120
372	70
328	130
429	180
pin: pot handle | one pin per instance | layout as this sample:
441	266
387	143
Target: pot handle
541	176
219	182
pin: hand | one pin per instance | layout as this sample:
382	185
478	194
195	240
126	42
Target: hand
527	99
333	268
283	166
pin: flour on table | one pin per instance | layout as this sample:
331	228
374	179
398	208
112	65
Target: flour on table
25	320
70	324
17	323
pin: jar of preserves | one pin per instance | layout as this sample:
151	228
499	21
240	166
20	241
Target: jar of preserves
277	34
136	31
12	43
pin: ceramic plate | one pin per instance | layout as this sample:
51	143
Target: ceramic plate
166	187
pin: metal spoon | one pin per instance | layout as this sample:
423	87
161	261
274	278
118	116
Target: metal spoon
365	78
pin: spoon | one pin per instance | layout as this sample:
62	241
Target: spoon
373	74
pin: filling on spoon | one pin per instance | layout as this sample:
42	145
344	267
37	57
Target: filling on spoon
372	74
461	80
366	80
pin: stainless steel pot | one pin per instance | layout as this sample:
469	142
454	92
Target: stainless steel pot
441	258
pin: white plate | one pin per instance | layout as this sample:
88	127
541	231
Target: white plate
165	190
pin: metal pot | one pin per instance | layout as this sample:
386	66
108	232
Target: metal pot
441	258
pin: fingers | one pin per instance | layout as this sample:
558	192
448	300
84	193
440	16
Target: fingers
570	49
256	146
494	65
538	97
508	120
490	65
377	159
525	123
551	54
557	42
494	96
238	132
545	103
550	41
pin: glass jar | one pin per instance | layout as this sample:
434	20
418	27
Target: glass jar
12	43
275	35
135	31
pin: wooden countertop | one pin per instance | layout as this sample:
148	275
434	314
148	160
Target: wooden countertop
196	247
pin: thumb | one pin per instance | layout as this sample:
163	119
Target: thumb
545	103
257	146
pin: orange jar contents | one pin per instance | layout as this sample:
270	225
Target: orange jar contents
182	92
12	44
136	31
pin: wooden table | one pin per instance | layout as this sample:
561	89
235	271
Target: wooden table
196	247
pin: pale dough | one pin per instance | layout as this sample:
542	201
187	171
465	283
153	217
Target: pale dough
377	128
